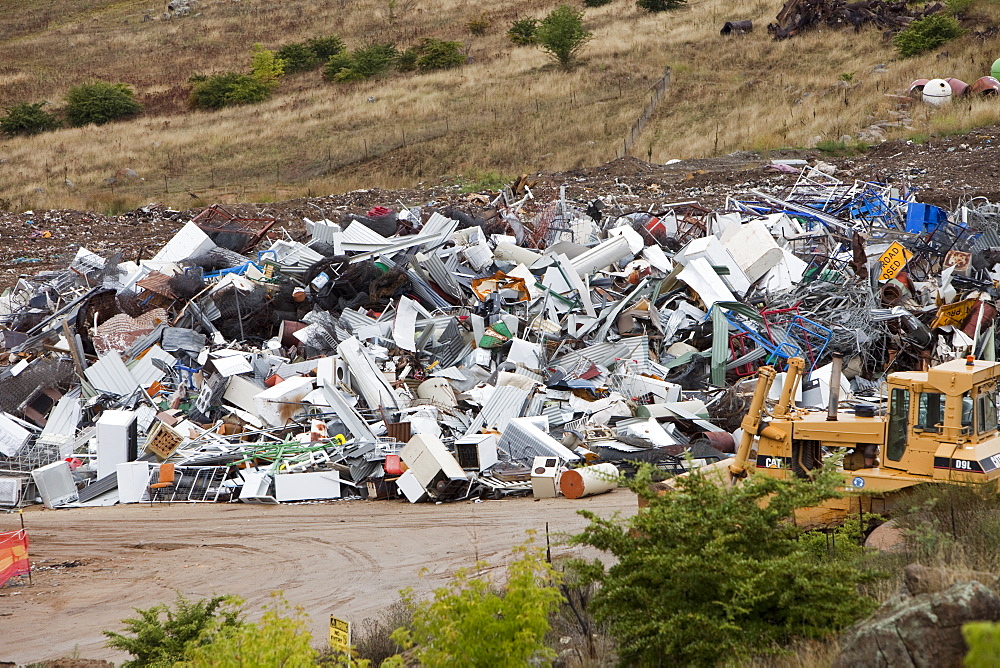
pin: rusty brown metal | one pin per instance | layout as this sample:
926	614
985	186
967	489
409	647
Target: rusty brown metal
986	86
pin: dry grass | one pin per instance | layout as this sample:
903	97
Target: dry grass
510	110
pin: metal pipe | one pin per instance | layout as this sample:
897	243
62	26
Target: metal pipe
835	372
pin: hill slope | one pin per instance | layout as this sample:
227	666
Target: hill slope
509	110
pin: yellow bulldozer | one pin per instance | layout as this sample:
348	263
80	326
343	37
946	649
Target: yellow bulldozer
940	426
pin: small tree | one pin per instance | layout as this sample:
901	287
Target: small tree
437	54
363	63
523	31
660	5
227	89
298	57
727	559
280	639
561	34
161	642
100	102
927	34
471	623
324	47
28	119
266	66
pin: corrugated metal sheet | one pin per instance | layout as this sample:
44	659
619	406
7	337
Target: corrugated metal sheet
109	374
146	372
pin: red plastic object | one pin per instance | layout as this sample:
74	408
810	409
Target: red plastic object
379	211
392	465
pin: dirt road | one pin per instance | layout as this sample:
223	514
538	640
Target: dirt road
347	558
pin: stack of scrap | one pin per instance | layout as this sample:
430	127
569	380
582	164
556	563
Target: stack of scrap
799	15
442	355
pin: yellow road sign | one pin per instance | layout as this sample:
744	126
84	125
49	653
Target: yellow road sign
954	314
893	260
340	635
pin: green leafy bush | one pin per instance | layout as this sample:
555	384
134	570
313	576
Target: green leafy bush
561	34
308	55
280	639
596	3
324	47
705	556
407	60
363	63
983	639
298	57
927	34
660	5
266	66
472	622
28	119
437	54
158	642
523	32
99	103
227	90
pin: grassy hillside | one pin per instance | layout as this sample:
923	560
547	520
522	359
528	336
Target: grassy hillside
510	110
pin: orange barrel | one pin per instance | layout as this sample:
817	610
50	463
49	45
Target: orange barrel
588	481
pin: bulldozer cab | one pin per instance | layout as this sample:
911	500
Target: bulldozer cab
949	409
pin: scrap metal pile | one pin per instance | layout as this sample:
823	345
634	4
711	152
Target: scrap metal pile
449	354
799	15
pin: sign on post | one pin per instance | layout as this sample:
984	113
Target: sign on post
340	635
893	260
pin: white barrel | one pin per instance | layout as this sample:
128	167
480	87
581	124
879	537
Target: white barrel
588	481
937	92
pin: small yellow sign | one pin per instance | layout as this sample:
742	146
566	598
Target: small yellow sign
954	314
893	260
340	635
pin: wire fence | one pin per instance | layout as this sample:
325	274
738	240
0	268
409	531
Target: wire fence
656	93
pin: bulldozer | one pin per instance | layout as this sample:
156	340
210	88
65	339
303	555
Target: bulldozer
940	426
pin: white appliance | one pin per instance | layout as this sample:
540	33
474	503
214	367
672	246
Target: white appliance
477	452
55	484
133	481
545	477
117	441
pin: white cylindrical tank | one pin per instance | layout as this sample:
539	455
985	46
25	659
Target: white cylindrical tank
588	481
937	92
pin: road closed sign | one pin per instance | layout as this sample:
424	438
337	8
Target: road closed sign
893	260
340	635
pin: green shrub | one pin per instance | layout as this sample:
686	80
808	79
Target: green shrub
983	639
437	54
927	34
298	57
407	60
161	642
705	556
523	32
280	639
324	47
958	7
596	3
266	66
660	5
227	89
99	103
363	63
561	34
28	119
472	622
